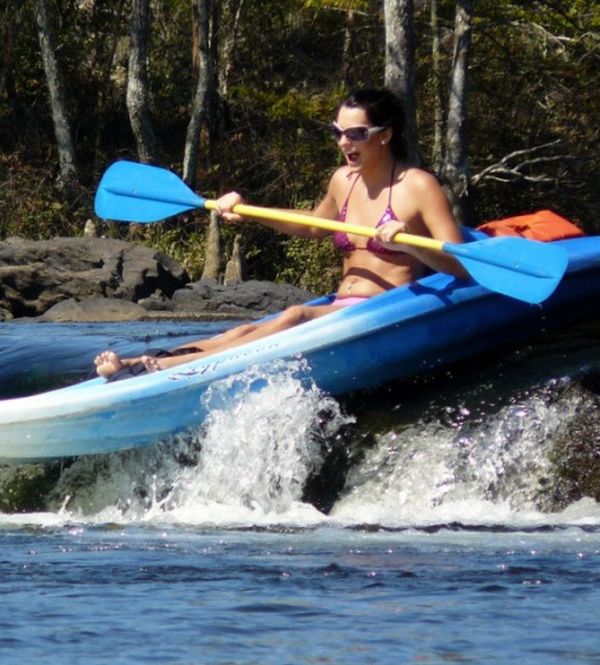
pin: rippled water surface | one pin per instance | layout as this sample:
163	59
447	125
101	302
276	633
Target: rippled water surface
181	595
449	537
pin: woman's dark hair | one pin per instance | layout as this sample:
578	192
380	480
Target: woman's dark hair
384	109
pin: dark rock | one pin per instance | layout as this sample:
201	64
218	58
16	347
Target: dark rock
98	279
94	309
157	302
248	297
24	488
36	275
577	449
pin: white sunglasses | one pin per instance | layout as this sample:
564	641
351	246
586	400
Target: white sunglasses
356	134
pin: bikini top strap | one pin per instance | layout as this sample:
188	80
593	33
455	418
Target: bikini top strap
345	206
389	203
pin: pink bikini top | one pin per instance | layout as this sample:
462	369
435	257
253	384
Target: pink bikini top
341	240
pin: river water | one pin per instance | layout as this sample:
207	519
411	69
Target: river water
430	521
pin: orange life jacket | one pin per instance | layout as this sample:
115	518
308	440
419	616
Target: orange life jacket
543	225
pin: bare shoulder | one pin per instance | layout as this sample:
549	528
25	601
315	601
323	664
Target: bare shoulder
421	181
431	205
339	184
331	204
341	177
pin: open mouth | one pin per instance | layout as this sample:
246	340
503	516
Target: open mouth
352	157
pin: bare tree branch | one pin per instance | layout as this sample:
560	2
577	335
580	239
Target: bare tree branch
512	167
548	38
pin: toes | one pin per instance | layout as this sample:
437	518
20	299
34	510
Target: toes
107	363
152	364
106	357
100	359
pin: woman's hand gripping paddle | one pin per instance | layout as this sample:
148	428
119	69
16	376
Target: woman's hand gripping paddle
523	269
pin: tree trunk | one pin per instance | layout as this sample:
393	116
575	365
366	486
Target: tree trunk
437	156
455	172
195	39
199	103
62	127
234	269
137	82
215	105
347	47
400	64
105	64
213	257
11	22
229	44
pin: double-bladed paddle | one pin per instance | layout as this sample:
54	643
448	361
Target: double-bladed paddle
523	269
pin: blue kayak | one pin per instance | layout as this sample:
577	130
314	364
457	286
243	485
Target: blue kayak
400	333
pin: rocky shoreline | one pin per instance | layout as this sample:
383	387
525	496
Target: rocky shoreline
104	279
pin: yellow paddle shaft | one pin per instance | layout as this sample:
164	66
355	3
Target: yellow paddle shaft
272	214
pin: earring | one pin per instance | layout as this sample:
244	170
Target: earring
383	143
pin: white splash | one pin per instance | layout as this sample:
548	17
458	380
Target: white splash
492	472
266	433
269	430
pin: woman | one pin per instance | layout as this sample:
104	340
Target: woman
377	188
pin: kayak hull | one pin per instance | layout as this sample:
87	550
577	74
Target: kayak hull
398	334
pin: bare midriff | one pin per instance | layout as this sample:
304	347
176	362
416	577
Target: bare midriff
366	274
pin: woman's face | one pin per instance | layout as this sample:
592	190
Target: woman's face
359	153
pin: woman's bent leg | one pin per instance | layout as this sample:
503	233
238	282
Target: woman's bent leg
108	362
289	318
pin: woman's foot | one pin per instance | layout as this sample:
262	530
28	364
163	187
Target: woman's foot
157	364
107	363
152	364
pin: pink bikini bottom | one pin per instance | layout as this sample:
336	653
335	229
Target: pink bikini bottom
345	302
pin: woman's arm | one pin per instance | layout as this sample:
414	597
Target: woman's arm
433	211
326	208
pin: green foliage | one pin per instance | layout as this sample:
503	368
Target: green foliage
311	265
32	206
343	5
183	241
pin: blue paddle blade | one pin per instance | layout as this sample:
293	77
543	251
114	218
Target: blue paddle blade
524	269
132	192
